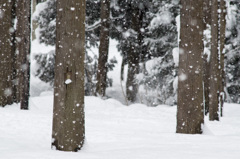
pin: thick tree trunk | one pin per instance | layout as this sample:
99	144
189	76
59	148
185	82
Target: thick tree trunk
134	55
222	45
190	76
6	53
214	64
23	32
68	114
103	48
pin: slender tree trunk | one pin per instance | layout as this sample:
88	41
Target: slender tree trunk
68	114
222	45
23	41
206	77
214	64
103	48
134	55
207	23
190	76
6	53
122	68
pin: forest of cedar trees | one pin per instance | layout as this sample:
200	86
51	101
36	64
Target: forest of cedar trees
183	53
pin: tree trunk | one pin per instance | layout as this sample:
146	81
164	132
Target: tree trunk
206	76
6	52
222	45
206	13
190	76
134	55
103	48
214	64
122	68
23	32
68	115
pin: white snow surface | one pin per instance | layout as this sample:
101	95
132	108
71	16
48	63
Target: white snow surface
115	131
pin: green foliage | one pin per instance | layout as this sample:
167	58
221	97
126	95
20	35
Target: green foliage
47	35
232	57
161	37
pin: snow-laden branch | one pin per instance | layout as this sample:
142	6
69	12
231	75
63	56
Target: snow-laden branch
93	26
98	23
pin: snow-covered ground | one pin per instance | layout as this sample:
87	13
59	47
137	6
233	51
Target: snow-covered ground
115	131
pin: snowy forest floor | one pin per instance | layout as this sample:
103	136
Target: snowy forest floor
113	130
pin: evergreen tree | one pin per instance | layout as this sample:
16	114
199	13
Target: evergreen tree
68	114
214	64
158	35
207	42
23	32
162	29
103	48
222	41
45	62
135	48
7	53
216	72
190	89
46	20
161	37
154	40
128	23
46	17
232	62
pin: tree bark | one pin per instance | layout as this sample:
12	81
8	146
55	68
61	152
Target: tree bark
222	45
206	76
6	53
133	55
23	43
14	60
103	48
214	64
206	13
122	68
190	76
68	115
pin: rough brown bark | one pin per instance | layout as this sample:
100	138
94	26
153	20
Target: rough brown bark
206	77
190	76
214	64
206	12
68	114
207	22
6	53
222	45
14	61
103	48
134	55
23	32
